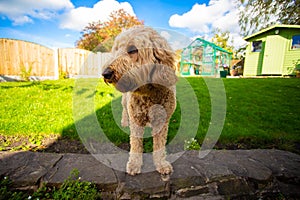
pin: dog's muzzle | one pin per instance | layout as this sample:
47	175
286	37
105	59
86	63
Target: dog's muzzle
108	74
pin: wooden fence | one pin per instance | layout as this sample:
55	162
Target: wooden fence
80	62
19	57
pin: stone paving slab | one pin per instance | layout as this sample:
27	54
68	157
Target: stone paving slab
221	174
27	168
90	170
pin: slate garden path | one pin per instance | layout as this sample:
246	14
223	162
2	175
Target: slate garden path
222	174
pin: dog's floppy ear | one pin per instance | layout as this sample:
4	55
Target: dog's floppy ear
163	52
163	73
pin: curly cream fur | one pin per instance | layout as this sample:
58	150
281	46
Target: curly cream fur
143	69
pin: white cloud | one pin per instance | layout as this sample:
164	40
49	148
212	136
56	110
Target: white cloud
165	34
22	20
25	11
78	18
238	40
176	39
203	19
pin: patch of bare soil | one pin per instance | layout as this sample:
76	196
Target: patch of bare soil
63	145
55	144
49	144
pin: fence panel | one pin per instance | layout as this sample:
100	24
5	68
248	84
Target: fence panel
17	57
81	62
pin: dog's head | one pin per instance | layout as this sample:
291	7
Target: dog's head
140	56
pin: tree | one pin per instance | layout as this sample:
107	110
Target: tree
259	14
222	39
99	36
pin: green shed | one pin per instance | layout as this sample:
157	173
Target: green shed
203	58
273	51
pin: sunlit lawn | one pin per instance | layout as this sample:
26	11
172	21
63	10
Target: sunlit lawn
260	113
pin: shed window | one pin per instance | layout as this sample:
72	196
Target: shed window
296	42
256	46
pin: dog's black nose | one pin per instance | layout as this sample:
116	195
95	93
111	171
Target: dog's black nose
108	73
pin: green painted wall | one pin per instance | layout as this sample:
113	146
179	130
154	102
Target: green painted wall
292	56
254	60
276	57
274	51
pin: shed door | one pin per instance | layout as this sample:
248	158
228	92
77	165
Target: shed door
273	55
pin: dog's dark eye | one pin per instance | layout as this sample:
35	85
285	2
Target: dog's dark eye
132	49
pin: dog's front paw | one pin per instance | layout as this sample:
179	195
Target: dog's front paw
133	168
164	168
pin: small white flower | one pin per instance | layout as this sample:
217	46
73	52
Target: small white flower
29	197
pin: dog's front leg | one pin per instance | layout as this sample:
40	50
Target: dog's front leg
159	150
159	124
135	161
125	119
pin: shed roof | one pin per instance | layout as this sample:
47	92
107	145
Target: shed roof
270	28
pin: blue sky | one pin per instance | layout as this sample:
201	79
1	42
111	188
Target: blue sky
58	23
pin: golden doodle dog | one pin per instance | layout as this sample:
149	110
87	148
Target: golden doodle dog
143	69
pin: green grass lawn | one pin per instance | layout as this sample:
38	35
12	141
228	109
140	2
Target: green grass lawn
261	113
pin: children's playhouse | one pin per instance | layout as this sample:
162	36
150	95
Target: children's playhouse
204	58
